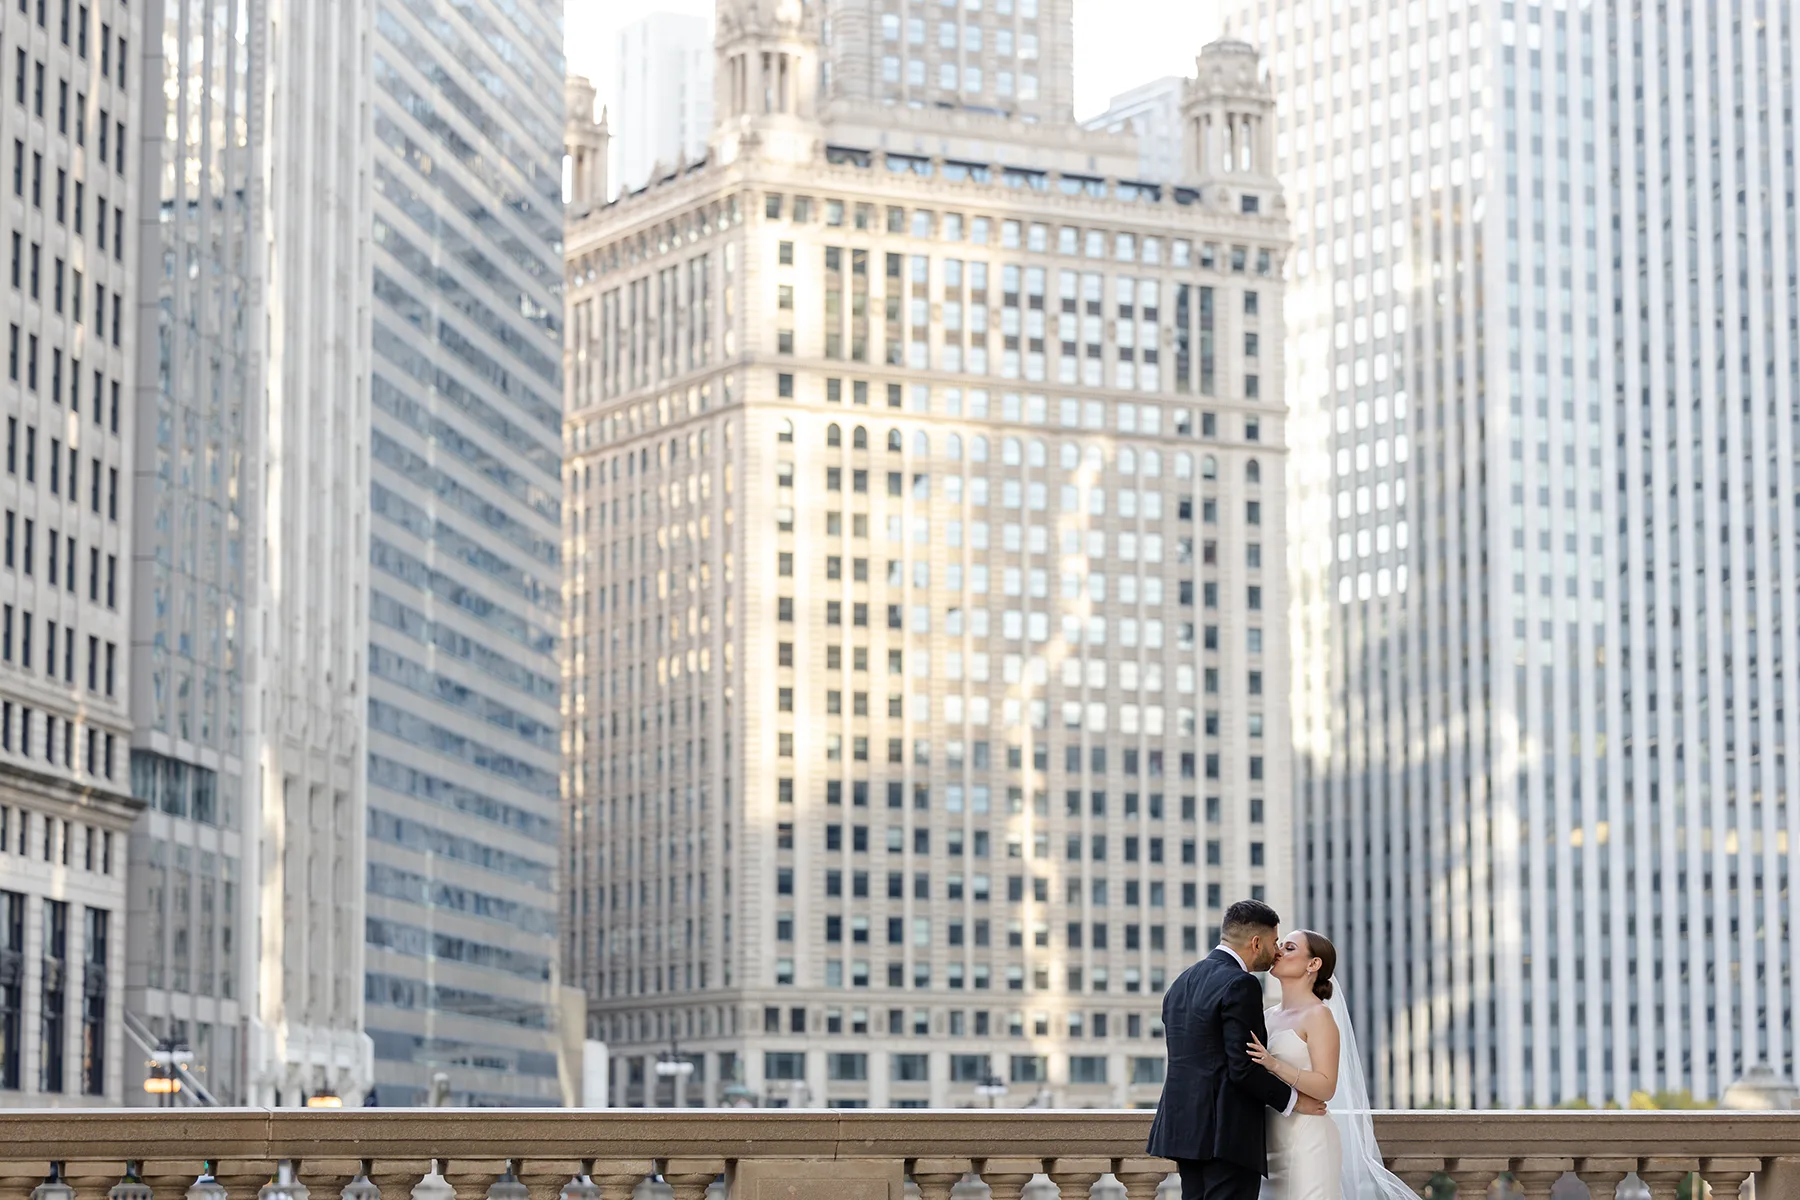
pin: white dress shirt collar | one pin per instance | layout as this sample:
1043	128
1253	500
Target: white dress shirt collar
1238	958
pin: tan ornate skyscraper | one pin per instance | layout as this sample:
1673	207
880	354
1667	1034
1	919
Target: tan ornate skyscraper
925	643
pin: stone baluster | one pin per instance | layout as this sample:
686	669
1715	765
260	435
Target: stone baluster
1604	1175
618	1178
168	1180
1663	1176
1725	1176
546	1178
1075	1177
328	1178
1536	1176
396	1178
1006	1177
470	1179
1416	1173
1474	1175
131	1187
937	1177
582	1187
1141	1177
689	1178
93	1180
19	1179
242	1179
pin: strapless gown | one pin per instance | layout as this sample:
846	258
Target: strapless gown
1306	1159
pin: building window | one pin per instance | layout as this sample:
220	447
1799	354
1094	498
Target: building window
1087	1068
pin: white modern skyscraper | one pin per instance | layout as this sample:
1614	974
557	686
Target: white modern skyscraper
251	495
1542	368
662	98
348	503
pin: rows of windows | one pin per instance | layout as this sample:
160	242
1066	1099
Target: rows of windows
1007	233
62	564
97	660
853	1066
47	839
49	973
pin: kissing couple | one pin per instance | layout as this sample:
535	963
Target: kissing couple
1277	1093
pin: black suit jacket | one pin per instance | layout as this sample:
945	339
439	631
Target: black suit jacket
1215	1097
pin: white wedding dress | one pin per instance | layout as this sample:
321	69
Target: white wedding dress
1334	1157
1306	1156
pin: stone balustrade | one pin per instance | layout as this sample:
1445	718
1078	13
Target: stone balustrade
815	1154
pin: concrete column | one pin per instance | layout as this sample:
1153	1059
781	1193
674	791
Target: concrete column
881	1073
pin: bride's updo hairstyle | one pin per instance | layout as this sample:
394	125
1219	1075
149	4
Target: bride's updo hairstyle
1319	946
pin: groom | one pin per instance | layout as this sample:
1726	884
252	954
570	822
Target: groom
1211	1119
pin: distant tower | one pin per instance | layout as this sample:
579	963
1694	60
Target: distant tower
585	142
1228	119
766	79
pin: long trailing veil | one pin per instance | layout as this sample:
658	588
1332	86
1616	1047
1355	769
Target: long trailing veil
1365	1176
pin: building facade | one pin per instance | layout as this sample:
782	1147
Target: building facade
461	976
1151	112
251	516
924	530
1015	59
68	122
1543	379
662	99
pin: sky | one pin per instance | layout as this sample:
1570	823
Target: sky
1118	43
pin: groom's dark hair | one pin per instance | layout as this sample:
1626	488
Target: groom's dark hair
1246	918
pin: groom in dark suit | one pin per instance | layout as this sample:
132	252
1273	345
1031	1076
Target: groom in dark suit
1212	1119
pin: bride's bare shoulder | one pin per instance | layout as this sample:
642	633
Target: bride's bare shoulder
1318	1016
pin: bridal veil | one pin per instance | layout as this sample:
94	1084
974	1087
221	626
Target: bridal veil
1365	1175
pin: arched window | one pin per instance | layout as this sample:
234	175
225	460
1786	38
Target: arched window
1096	459
859	438
1009	451
953	447
1127	461
1184	465
833	435
1070	456
1252	472
1152	464
978	449
921	444
784	430
895	445
1036	454
1209	467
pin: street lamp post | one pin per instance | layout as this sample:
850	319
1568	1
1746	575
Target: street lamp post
673	1066
166	1063
993	1087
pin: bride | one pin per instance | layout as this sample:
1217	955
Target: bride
1312	1048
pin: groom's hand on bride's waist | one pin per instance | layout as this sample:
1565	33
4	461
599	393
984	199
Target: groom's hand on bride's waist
1307	1106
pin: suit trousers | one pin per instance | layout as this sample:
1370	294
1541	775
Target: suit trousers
1216	1179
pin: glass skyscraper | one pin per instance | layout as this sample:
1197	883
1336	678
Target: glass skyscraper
464	550
1542	338
248	589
